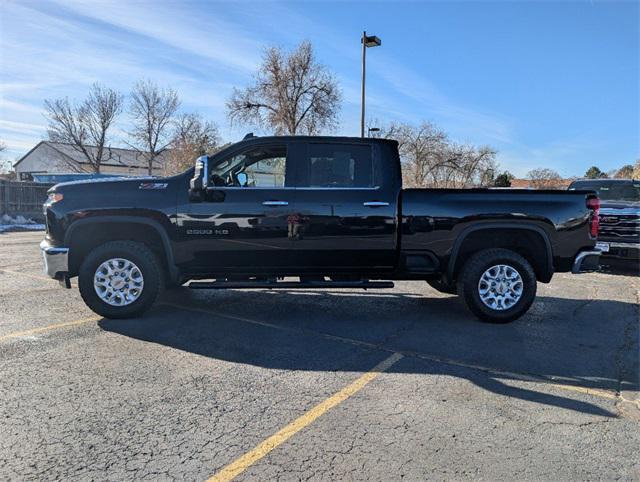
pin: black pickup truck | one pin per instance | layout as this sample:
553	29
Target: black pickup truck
311	212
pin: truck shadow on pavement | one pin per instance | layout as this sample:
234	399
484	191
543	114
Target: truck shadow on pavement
584	343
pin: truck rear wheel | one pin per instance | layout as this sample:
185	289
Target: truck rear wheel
498	285
120	279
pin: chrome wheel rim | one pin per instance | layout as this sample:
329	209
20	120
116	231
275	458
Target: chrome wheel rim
118	282
500	287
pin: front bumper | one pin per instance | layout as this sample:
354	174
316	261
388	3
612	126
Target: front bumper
622	250
587	261
56	261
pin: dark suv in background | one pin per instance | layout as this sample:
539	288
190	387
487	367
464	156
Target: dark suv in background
619	235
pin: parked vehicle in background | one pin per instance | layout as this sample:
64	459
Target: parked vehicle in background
619	235
329	211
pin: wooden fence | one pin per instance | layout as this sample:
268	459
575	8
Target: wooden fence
25	198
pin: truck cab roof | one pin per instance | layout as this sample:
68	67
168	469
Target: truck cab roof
249	138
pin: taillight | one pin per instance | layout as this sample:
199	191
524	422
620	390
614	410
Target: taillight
593	203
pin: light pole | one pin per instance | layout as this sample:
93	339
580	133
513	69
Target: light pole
373	130
367	41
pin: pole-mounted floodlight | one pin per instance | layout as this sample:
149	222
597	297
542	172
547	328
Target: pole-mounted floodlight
371	40
373	130
367	41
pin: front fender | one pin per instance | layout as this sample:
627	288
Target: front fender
101	220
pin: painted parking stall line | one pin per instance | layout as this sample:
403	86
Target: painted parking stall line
43	329
27	275
239	465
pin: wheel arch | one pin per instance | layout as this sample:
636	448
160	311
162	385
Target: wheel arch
84	235
529	240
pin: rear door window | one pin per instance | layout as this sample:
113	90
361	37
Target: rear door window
338	166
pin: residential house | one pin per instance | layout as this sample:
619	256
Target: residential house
58	158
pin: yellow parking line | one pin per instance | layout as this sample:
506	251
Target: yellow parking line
42	329
524	377
239	465
28	275
589	391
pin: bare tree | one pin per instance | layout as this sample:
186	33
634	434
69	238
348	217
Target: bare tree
85	126
292	94
544	178
421	150
625	172
152	110
5	164
193	137
636	169
430	159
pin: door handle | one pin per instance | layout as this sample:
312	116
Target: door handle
375	204
275	203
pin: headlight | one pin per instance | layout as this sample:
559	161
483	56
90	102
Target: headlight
54	197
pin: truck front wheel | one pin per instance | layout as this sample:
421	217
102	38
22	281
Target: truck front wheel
120	279
498	285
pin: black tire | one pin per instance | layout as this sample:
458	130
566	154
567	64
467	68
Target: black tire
441	287
137	253
475	267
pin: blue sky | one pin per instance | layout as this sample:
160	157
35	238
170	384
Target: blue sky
548	84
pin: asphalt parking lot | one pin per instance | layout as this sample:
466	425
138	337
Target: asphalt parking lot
327	385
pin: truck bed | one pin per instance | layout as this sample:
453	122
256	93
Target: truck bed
437	219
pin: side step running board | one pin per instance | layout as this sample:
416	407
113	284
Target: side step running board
221	285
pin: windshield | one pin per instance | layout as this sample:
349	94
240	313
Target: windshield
611	190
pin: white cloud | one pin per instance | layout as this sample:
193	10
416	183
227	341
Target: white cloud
8	108
473	125
25	127
211	38
559	155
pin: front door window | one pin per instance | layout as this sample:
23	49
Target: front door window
264	166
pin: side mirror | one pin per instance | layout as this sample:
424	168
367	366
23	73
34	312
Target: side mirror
242	178
198	183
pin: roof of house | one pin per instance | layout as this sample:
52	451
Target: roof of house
520	183
114	156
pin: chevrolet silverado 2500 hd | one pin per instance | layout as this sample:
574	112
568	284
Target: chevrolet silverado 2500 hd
329	212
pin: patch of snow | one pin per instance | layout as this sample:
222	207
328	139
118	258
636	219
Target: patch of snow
18	223
21	227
